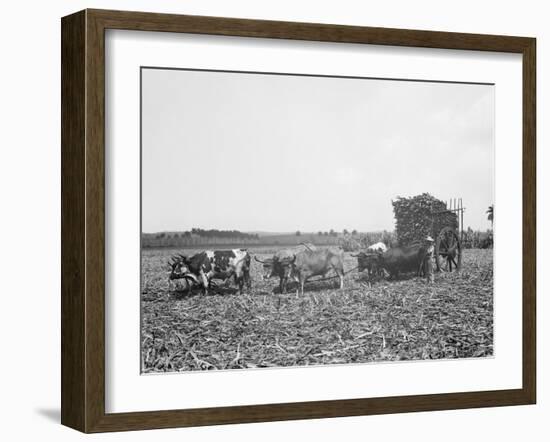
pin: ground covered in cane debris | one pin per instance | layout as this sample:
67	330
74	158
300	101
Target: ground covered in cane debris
405	319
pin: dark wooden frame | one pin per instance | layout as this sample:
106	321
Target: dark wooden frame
83	217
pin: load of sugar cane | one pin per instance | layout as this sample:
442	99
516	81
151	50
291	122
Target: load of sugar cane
419	216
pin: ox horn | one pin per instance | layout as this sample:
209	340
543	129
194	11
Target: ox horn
191	277
256	258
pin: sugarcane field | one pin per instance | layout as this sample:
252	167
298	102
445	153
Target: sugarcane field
375	315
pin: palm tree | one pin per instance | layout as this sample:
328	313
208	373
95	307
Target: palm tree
490	214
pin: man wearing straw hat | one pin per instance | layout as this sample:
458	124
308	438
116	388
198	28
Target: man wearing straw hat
428	259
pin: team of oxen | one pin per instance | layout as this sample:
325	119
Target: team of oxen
293	265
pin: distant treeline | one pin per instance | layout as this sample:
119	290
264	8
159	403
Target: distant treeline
471	239
349	241
476	239
215	233
357	241
197	237
201	237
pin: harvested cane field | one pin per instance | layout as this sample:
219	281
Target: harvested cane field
400	320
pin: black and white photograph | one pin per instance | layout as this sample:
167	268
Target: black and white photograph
292	220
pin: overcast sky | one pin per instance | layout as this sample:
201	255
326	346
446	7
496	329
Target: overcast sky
282	153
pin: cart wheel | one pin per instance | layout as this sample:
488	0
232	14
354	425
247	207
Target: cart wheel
448	251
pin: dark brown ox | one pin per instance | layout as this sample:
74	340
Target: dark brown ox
404	259
308	263
279	265
371	262
202	267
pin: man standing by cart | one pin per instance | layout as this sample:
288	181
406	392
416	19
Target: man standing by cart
429	259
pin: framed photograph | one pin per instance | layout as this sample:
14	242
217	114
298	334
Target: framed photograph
267	221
